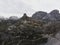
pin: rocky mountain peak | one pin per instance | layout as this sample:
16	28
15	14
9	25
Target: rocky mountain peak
39	14
54	12
54	15
24	16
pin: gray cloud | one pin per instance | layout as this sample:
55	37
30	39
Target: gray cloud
14	7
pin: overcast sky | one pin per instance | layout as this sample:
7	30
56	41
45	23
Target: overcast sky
18	7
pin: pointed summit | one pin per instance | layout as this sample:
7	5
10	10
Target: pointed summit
54	12
24	16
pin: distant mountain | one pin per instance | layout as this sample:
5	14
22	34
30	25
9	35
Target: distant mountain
52	16
55	14
13	18
39	15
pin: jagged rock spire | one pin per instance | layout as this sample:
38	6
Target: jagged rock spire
24	16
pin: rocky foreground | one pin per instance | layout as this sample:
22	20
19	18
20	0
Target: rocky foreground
25	31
